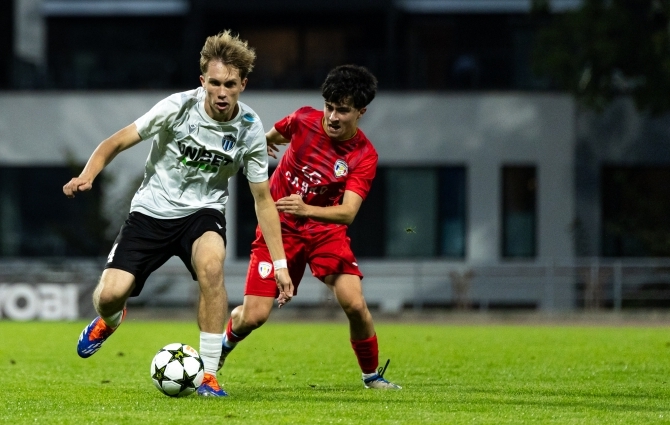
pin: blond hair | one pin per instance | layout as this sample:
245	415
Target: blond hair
230	50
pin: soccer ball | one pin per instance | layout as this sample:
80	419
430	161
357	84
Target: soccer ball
177	370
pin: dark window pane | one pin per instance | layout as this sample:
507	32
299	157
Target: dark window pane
367	230
519	215
37	220
246	215
452	211
635	211
411	208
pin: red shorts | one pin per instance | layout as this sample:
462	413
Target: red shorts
326	251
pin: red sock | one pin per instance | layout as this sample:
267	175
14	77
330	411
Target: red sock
232	336
367	353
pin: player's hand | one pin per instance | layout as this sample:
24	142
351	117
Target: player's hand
285	285
274	142
292	204
272	148
77	184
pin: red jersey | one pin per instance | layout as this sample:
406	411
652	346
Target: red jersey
318	168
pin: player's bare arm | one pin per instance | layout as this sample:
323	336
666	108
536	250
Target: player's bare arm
274	139
101	156
340	214
268	220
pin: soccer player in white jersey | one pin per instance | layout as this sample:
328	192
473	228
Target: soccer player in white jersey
200	138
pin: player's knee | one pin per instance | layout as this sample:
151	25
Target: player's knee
236	313
355	308
108	301
210	273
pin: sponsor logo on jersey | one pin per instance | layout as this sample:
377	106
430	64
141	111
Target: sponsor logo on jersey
228	142
264	269
341	168
308	184
249	117
199	157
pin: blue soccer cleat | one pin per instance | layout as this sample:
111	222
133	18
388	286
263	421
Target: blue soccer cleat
94	335
210	387
378	382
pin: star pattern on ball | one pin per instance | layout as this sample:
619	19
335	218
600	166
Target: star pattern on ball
178	355
159	374
185	382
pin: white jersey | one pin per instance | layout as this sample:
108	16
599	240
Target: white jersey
192	156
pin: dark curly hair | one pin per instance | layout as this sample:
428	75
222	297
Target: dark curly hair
347	82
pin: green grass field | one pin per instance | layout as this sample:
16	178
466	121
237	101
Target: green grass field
289	373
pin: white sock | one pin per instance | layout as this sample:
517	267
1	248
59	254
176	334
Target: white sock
210	351
368	375
114	320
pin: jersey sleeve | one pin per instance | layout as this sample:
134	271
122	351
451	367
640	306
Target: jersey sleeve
159	117
256	157
287	125
283	126
360	180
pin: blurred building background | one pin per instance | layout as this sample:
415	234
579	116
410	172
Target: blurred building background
497	188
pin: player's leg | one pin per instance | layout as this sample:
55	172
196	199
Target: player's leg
260	289
348	291
251	315
144	244
109	300
208	255
245	318
333	262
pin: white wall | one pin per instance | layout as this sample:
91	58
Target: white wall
481	131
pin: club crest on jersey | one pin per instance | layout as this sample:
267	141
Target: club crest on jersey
192	128
264	269
228	142
341	168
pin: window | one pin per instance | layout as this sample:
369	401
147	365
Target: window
519	211
411	207
413	212
635	210
452	212
368	231
425	209
37	220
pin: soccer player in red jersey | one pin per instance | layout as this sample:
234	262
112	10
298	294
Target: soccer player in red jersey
318	187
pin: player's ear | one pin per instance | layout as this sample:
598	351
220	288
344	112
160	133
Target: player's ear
361	112
202	80
244	84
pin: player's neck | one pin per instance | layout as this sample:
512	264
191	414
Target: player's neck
346	138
